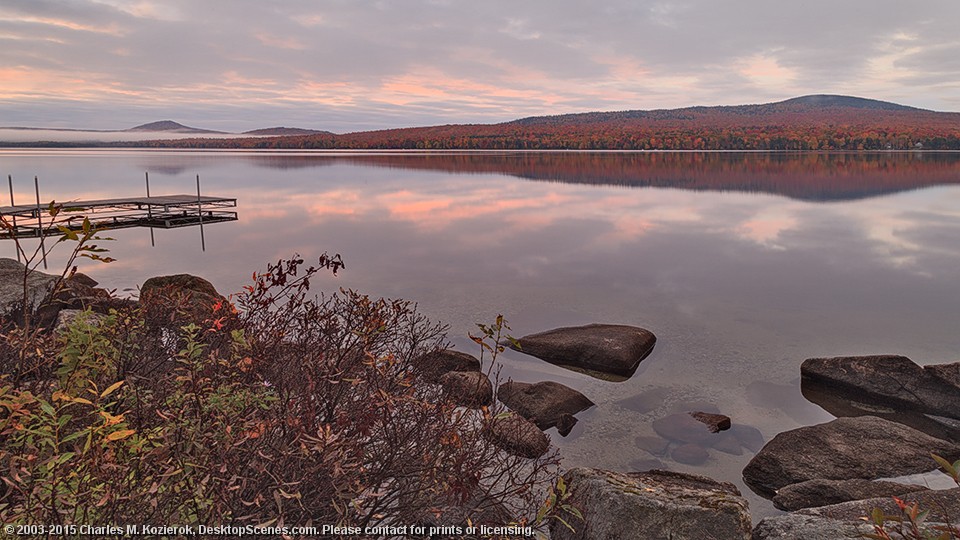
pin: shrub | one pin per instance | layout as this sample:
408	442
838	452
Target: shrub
911	523
278	409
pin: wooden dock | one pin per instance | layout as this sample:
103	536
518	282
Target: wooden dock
156	212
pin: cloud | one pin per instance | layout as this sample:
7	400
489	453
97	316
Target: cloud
365	64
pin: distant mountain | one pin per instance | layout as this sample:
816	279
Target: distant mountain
285	131
834	101
815	122
170	125
812	107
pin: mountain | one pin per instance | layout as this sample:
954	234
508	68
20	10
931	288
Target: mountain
812	107
170	125
285	131
814	122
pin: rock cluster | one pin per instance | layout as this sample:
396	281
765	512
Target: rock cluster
893	414
652	505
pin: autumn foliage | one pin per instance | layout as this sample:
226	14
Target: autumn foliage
279	408
808	123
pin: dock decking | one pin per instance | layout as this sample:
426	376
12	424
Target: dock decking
159	212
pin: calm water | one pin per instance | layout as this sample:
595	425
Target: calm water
743	265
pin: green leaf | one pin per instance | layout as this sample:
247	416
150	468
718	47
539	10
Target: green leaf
47	408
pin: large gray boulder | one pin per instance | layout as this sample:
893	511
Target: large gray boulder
39	286
820	492
652	505
893	381
861	447
611	351
545	403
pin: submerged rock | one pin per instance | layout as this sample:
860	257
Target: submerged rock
690	454
544	403
682	427
595	349
652	505
862	447
748	436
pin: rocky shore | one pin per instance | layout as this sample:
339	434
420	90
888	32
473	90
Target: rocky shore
892	414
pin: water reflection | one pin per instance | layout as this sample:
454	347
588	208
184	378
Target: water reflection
806	176
734	261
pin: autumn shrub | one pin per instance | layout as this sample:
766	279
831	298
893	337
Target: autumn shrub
279	408
911	522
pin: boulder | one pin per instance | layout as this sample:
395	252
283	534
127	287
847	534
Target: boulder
842	404
943	504
517	436
565	424
39	286
820	492
83	279
652	505
861	447
600	350
180	282
77	294
888	380
66	317
947	373
179	299
714	422
544	403
801	527
432	365
468	388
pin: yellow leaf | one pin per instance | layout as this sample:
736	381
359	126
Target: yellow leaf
109	419
110	389
81	400
121	434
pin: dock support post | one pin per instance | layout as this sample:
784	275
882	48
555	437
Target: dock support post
14	231
43	249
146	175
203	243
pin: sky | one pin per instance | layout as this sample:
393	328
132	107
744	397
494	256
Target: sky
355	65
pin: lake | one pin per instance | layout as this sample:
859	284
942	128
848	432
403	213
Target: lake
742	264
